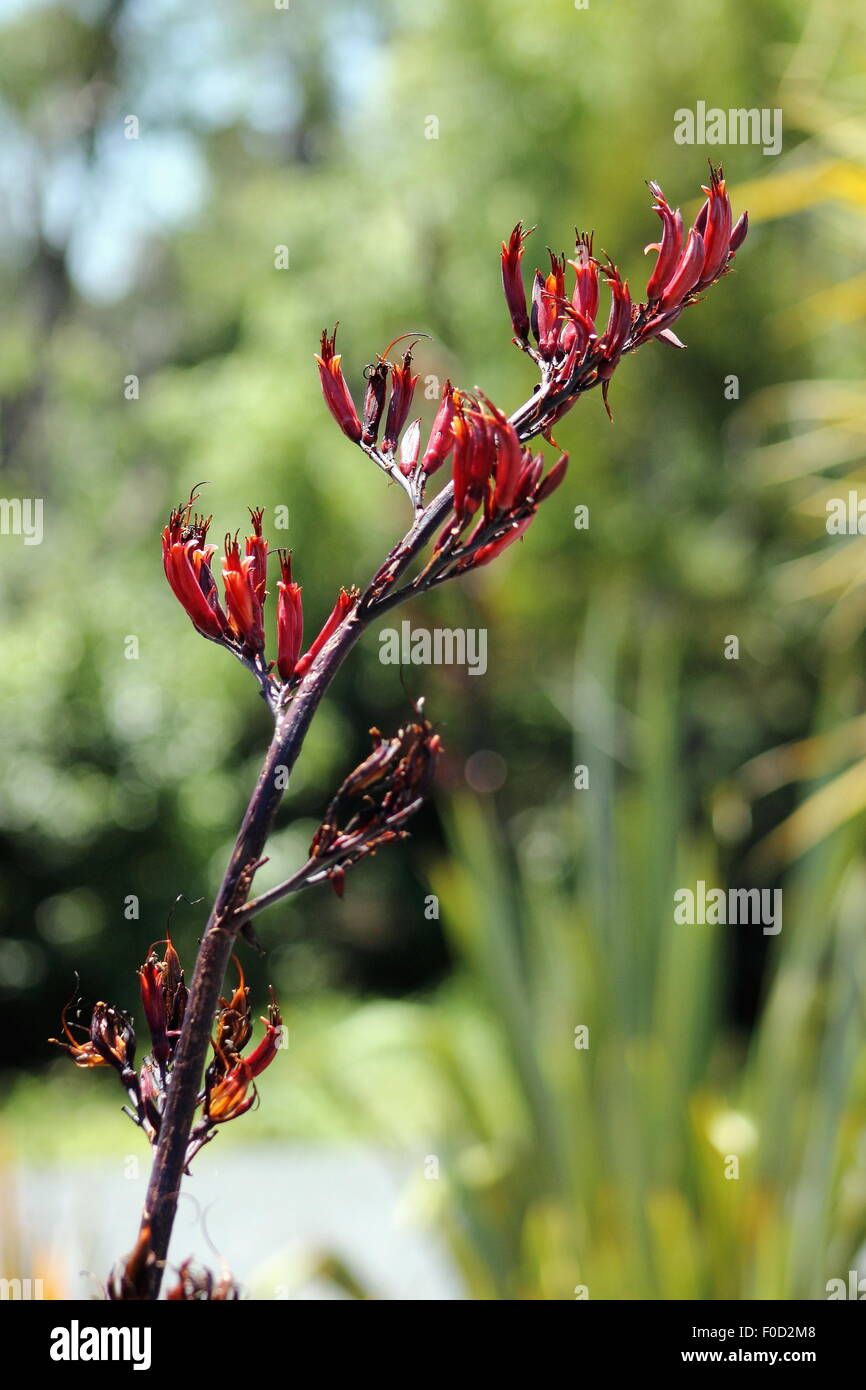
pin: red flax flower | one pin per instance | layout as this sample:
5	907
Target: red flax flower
403	385
687	272
234	1025
474	448
230	1095
229	1088
257	550
268	1046
548	301
243	587
290	619
619	319
534	489
669	248
571	355
240	627
714	224
490	465
187	563
186	558
579	328
338	398
153	1003
163	998
682	271
585	297
346	601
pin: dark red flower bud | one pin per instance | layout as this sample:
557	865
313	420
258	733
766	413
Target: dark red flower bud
512	281
510	458
290	619
153	1002
441	440
619	318
506	461
374	400
551	482
403	385
716	231
486	553
530	477
338	398
738	235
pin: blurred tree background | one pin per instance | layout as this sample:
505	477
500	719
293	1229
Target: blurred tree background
389	149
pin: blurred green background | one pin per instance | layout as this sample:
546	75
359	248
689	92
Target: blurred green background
453	1037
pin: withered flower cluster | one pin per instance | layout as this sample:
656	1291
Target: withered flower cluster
372	805
110	1041
229	1081
200	1286
128	1281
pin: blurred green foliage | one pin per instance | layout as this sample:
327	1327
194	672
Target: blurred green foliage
155	258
